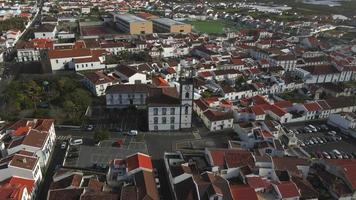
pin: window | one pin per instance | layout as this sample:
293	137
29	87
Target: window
173	110
172	120
57	61
187	95
156	128
155	120
164	120
155	111
164	111
186	110
172	127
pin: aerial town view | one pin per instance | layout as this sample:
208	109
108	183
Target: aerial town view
178	100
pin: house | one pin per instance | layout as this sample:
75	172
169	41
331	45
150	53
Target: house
46	31
18	188
30	51
323	74
216	120
98	81
76	184
135	171
243	192
286	191
130	75
33	135
345	121
120	95
74	58
229	163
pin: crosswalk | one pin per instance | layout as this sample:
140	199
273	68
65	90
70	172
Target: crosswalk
63	137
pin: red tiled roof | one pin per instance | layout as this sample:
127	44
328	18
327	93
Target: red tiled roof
243	192
312	106
266	134
257	110
21	131
139	160
283	104
257	182
28	183
287	189
159	82
237	61
348	167
206	74
232	158
69	53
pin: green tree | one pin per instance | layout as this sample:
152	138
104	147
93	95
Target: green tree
101	135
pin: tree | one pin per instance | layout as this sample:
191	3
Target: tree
206	94
101	135
34	92
240	80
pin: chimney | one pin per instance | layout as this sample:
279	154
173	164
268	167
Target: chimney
24	160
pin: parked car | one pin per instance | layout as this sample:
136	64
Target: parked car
320	140
76	142
73	155
311	142
332	133
64	145
324	127
319	154
333	156
312	128
131	133
90	127
337	153
326	155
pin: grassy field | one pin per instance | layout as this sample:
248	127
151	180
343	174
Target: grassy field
212	26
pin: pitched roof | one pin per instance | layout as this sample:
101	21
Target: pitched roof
35	138
146	186
289	163
231	158
257	182
218	115
67	194
287	189
139	160
127	70
243	192
129	88
99	77
312	107
348	167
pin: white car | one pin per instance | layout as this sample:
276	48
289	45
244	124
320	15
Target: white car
132	133
76	142
64	145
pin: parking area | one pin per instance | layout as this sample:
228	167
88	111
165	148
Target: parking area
98	157
321	140
120	119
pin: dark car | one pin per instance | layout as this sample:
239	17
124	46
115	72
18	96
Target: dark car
73	155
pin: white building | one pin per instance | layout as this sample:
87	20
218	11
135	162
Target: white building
218	120
169	109
98	81
130	75
47	31
121	96
343	120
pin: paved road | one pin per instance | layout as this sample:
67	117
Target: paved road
56	159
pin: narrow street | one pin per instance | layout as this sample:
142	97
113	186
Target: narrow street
56	160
